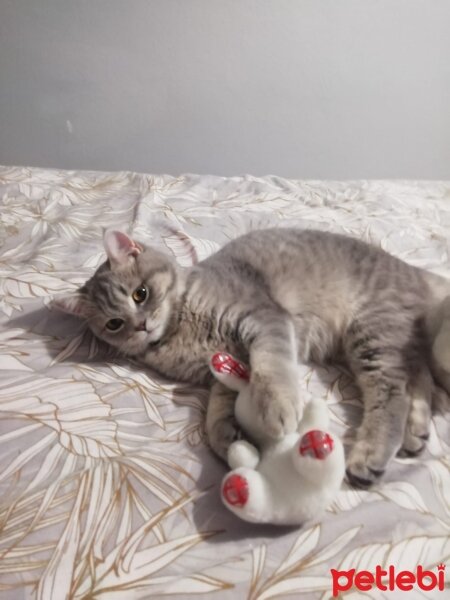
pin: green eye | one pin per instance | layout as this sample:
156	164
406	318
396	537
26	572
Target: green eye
114	324
139	294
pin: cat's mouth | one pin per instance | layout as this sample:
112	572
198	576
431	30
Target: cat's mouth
152	335
150	332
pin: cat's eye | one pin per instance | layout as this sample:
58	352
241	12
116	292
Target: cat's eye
114	324
139	294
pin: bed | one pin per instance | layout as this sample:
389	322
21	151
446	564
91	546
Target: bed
107	487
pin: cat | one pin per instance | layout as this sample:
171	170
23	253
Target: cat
272	298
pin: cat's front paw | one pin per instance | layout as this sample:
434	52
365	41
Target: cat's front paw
222	434
275	409
364	467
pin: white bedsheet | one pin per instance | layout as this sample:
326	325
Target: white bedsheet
107	488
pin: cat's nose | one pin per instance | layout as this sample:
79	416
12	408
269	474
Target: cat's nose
141	326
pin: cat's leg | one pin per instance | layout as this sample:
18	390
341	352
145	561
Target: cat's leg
221	426
440	353
381	432
270	338
419	418
380	373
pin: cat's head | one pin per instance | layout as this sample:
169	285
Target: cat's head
130	299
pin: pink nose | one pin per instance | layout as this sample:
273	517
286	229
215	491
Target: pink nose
141	326
317	444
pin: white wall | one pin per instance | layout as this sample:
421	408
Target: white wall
300	88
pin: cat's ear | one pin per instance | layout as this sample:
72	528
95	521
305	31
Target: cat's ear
119	247
76	304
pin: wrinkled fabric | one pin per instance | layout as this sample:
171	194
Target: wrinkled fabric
107	487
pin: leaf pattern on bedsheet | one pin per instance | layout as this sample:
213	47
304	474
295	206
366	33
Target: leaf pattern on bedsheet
107	487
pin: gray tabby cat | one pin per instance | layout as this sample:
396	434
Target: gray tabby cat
272	298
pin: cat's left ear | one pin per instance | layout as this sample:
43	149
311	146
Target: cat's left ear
119	247
76	304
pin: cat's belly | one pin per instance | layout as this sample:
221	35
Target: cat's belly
317	339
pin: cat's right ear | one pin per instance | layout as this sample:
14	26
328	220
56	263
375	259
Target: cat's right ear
119	247
75	304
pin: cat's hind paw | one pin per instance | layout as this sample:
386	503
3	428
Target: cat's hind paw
417	429
363	467
412	445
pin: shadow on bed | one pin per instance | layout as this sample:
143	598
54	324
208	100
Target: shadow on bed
62	335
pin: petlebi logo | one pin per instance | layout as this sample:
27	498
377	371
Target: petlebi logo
388	579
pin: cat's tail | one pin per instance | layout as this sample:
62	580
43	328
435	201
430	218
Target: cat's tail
168	230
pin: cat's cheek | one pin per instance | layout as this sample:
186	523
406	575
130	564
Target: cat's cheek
157	323
102	335
140	339
136	344
113	341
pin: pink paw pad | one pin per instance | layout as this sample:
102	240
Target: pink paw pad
235	490
316	444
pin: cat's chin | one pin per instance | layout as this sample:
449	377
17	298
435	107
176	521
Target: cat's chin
155	334
142	339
